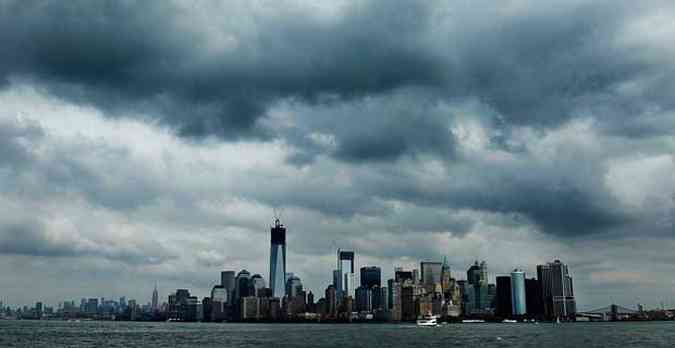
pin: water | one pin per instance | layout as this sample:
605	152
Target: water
130	334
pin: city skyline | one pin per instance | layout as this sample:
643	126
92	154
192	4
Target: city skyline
147	142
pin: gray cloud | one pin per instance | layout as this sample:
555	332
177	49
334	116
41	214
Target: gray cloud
154	139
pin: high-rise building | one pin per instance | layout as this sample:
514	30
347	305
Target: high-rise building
400	275
518	299
256	284
293	286
346	269
278	259
503	306
394	299
371	276
534	299
477	274
364	298
380	296
242	287
155	299
219	298
227	282
445	279
431	274
557	291
331	302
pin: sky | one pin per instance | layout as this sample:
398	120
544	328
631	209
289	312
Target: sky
147	142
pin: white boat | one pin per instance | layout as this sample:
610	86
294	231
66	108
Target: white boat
427	320
472	321
509	321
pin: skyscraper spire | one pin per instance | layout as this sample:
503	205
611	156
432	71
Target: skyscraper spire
155	298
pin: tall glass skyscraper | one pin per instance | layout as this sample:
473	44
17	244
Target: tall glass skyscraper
278	259
346	270
518	299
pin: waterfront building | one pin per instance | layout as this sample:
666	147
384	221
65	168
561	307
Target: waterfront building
248	308
400	275
431	275
445	279
331	302
242	287
503	305
557	291
227	282
155	299
218	304
364	298
256	284
518	299
346	270
408	297
371	276
477	274
278	259
293	286
380	296
394	300
534	298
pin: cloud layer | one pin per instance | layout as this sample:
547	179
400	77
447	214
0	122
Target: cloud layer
149	141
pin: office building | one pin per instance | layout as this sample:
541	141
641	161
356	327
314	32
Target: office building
278	259
364	298
227	282
331	302
155	299
518	299
534	299
503	305
242	286
431	275
371	276
293	286
557	291
445	279
400	275
256	284
346	269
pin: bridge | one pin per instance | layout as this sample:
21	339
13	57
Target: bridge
612	312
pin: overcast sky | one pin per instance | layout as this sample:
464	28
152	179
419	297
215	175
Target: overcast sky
151	141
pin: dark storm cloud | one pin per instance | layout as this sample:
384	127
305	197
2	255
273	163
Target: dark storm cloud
115	53
534	67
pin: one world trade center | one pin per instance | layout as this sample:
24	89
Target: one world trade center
278	259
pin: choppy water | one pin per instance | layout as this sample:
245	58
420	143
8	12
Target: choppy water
129	334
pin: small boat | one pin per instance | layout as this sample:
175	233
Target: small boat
427	320
509	321
472	321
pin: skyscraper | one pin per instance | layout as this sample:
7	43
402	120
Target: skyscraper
445	278
371	276
534	299
504	298
256	283
155	299
431	274
278	259
227	280
518	299
557	291
293	286
364	299
346	270
242	286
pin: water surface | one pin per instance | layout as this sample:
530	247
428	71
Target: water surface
137	334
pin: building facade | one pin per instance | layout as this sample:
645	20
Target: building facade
278	259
